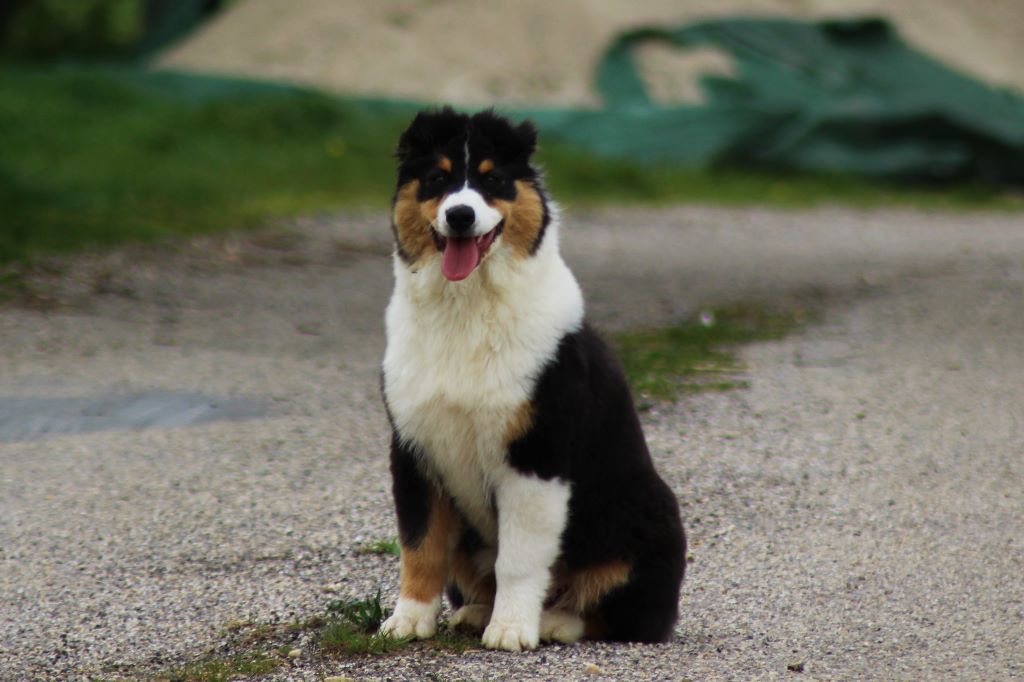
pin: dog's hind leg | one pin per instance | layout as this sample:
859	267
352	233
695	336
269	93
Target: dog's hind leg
561	626
472	587
471	617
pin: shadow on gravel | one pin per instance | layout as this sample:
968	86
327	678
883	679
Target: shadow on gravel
24	418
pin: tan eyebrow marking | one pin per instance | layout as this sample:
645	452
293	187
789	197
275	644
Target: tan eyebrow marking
486	166
445	164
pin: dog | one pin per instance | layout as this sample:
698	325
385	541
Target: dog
521	478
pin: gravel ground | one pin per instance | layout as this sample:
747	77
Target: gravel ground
856	513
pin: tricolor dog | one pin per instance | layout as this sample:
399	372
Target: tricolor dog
522	481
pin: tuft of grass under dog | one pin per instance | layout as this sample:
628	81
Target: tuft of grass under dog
352	628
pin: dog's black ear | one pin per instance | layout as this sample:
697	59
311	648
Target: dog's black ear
512	143
429	130
527	134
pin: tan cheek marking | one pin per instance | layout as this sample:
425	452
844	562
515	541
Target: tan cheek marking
425	567
523	218
586	588
520	423
486	166
445	164
412	220
476	586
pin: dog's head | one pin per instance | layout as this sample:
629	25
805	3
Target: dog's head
466	189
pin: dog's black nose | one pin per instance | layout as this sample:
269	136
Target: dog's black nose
460	219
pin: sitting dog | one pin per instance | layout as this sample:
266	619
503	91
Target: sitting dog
522	481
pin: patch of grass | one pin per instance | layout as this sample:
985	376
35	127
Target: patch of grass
456	642
697	355
341	638
387	547
363	614
352	628
577	177
93	159
347	627
239	666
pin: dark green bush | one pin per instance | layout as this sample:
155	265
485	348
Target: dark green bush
52	29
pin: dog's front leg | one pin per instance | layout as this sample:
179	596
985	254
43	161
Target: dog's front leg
531	517
426	532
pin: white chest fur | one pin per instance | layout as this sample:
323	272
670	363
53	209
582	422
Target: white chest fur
463	357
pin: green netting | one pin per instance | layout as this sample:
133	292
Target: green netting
848	97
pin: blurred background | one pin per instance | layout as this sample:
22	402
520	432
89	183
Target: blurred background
130	119
194	233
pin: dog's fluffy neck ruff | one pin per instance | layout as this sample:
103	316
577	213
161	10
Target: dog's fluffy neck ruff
508	300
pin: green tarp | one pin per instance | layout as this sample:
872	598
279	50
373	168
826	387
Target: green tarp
845	97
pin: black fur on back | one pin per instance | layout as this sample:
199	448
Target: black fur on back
586	432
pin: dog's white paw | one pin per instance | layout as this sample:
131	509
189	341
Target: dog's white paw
412	619
472	617
561	626
511	636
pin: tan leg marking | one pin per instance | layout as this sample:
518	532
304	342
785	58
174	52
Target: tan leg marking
425	567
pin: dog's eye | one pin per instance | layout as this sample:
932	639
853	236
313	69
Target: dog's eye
493	182
436	178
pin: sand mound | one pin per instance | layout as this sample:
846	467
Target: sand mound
543	52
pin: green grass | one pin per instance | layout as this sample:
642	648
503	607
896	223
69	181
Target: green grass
698	354
238	666
576	177
339	638
352	628
86	159
456	642
363	614
92	156
347	627
381	547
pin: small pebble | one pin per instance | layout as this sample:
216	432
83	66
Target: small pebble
593	669
295	653
339	678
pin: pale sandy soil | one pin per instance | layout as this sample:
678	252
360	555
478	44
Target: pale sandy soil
543	52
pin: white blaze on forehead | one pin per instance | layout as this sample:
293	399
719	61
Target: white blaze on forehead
487	218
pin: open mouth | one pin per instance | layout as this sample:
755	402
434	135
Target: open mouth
460	256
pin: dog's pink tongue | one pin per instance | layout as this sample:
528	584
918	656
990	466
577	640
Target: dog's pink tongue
460	258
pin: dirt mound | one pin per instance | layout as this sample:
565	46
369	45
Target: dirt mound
541	52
